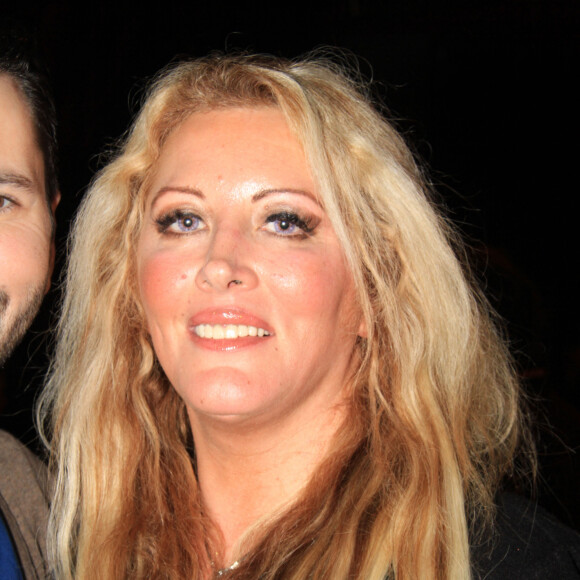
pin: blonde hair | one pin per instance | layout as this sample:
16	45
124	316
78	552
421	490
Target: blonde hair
435	419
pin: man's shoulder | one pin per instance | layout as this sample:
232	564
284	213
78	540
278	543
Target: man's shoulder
529	543
19	466
24	503
10	447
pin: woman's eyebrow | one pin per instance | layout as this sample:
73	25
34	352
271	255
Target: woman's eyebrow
255	198
266	192
177	189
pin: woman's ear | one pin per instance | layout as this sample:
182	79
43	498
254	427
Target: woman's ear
362	329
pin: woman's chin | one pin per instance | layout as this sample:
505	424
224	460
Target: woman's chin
225	395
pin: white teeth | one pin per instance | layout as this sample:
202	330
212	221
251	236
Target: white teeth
229	331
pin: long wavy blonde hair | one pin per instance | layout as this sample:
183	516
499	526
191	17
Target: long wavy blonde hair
434	421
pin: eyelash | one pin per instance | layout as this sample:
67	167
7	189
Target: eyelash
174	217
293	219
166	221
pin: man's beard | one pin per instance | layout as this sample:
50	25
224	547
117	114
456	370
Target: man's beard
12	330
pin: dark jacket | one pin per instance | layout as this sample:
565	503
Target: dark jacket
528	544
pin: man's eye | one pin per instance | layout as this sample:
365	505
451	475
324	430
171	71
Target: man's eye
5	202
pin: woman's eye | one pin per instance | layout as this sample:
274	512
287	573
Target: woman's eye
179	222
288	224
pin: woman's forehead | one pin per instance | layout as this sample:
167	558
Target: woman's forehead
258	136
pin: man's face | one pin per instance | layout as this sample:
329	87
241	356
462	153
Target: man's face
26	250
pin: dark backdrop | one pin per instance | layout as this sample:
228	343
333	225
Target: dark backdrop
486	91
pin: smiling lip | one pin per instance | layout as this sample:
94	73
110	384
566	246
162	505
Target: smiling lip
228	329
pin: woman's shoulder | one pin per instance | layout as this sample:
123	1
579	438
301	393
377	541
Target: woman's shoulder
529	543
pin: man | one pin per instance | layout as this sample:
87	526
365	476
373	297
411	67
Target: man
28	198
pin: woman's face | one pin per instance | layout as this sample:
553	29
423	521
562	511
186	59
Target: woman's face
248	299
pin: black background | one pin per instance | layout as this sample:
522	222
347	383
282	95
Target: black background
486	92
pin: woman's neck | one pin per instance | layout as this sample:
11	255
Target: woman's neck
249	472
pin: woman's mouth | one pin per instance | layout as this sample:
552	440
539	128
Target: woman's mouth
228	331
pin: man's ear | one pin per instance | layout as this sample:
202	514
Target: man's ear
53	205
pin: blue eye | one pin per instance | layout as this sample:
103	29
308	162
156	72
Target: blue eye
283	226
179	221
187	223
288	224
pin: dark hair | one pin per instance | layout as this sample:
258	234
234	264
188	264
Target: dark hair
20	60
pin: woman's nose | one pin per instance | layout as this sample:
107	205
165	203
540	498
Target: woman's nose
226	266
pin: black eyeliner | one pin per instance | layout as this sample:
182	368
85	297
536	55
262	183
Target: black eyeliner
166	220
303	223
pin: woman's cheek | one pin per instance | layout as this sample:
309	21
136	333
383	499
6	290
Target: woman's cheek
162	277
306	281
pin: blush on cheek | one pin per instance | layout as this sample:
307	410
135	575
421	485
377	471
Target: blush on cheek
160	276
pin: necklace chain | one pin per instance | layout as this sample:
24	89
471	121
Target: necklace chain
224	571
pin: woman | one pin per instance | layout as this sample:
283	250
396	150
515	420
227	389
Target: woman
271	363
